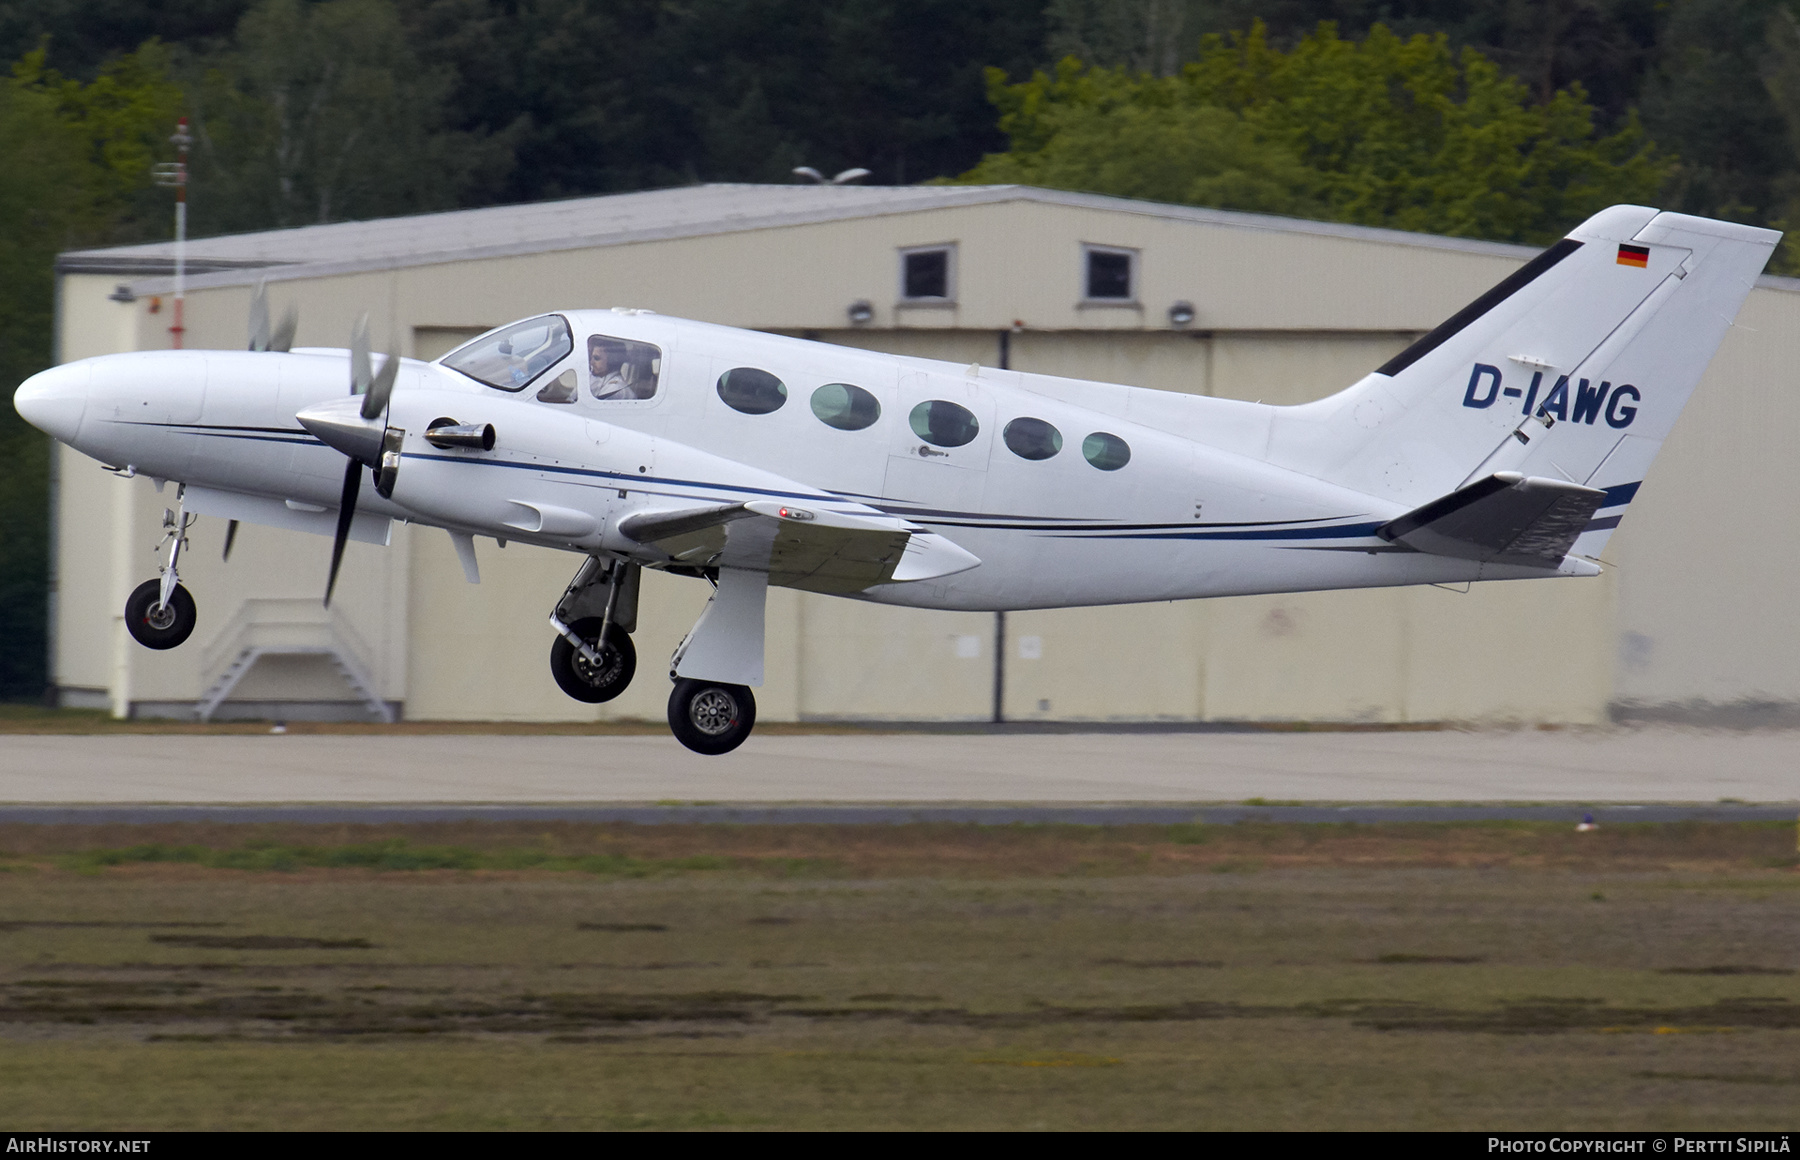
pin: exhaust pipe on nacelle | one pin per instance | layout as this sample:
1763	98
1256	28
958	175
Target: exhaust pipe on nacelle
447	433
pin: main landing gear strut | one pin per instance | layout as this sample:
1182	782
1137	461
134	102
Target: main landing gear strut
160	613
592	658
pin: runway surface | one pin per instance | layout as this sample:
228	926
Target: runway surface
887	814
1638	765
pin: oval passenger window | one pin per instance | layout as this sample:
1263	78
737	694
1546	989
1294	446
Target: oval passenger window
752	391
845	407
1032	439
1107	452
943	423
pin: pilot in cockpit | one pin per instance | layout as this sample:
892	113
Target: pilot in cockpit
614	374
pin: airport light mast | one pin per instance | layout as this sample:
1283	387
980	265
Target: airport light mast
176	175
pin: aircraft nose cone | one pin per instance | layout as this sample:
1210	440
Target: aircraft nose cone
53	400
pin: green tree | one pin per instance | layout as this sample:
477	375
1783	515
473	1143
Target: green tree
124	118
77	173
1384	131
1781	79
46	199
322	112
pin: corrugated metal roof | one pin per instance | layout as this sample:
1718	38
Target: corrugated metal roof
633	217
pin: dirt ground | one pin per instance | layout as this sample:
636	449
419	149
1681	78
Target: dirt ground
483	975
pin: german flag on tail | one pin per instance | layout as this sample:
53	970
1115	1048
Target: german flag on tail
1638	256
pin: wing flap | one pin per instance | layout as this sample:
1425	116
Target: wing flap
1505	518
816	551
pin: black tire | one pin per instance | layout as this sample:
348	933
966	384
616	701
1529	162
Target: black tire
711	717
156	627
576	677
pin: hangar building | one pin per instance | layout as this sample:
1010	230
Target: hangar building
1692	618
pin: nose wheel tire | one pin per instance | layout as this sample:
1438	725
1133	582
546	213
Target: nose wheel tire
709	717
155	625
581	678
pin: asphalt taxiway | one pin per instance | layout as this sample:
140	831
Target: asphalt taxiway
907	771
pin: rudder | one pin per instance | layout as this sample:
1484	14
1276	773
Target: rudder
1575	367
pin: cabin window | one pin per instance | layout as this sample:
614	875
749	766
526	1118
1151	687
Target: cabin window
943	423
1032	438
1109	274
561	389
926	274
846	407
752	391
619	369
1105	451
513	356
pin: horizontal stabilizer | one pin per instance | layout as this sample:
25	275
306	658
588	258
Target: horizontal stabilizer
1505	518
813	550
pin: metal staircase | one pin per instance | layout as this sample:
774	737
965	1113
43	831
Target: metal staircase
287	628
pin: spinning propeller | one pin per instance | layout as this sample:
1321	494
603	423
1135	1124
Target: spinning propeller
360	432
280	340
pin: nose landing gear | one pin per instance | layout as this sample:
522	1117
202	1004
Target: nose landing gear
160	613
592	658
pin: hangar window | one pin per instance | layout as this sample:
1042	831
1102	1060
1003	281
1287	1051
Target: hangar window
511	357
752	391
1107	452
619	369
943	423
1109	274
1032	439
927	274
846	407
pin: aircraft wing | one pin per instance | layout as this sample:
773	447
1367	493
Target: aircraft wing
816	551
1506	518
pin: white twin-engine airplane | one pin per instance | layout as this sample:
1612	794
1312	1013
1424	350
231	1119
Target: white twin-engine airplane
1503	445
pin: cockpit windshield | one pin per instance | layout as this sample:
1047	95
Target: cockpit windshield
511	357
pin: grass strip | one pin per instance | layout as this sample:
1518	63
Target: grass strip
400	855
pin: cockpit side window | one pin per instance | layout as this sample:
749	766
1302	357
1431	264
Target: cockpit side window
513	356
619	369
561	389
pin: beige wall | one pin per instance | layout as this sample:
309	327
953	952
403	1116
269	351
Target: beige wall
1695	611
1707	559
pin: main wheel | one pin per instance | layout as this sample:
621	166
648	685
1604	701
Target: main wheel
155	625
710	717
582	679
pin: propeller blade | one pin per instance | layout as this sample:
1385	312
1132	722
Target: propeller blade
230	538
353	473
376	401
259	317
283	340
361	374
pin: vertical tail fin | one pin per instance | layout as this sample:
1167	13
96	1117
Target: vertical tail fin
1575	368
